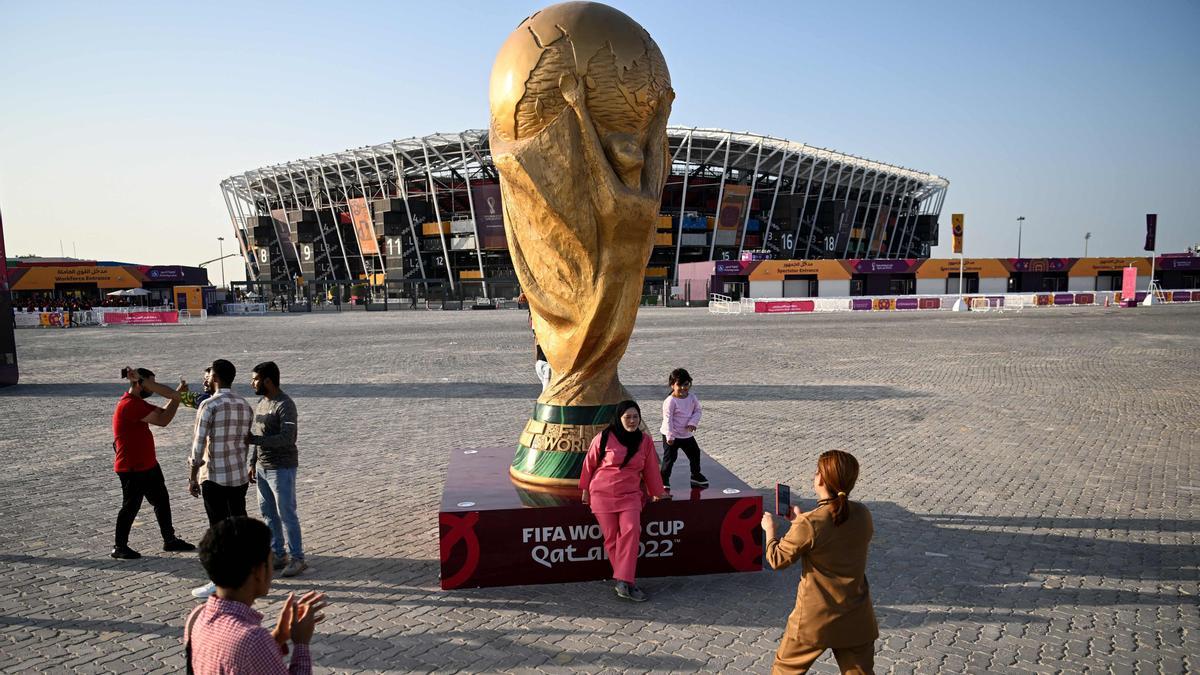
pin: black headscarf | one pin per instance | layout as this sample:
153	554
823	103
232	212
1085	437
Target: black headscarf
632	440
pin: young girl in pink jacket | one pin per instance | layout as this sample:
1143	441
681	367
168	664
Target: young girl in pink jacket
618	461
680	417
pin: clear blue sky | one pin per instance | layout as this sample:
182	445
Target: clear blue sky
117	120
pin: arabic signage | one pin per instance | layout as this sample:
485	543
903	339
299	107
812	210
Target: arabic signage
46	277
140	318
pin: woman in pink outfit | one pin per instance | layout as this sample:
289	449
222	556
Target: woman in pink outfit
619	460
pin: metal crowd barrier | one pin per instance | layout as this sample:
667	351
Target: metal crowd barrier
979	302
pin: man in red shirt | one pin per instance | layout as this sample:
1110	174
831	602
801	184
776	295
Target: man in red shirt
137	465
225	634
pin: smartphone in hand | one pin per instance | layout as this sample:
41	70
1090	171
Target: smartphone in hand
783	500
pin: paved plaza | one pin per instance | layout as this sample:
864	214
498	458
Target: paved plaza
1033	479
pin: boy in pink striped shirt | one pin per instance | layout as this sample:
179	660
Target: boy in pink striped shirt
681	416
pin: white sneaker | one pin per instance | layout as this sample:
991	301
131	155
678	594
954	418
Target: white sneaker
294	567
202	592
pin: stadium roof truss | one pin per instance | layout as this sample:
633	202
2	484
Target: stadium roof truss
449	163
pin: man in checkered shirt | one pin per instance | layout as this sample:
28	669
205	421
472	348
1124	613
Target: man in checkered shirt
219	469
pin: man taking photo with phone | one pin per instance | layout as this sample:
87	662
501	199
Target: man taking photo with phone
136	463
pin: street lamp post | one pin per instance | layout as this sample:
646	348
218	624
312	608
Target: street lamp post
221	250
1086	236
1020	223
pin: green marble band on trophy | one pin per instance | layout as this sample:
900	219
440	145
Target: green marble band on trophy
554	442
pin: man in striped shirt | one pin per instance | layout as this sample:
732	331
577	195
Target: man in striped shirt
220	472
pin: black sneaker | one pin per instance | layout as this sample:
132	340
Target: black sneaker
178	545
629	592
125	553
699	480
281	561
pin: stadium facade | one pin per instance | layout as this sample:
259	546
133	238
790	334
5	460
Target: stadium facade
425	212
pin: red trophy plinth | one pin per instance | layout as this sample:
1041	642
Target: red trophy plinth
497	532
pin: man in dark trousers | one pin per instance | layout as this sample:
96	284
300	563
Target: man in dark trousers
273	443
136	463
218	457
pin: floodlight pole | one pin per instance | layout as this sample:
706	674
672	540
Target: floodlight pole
221	250
1020	223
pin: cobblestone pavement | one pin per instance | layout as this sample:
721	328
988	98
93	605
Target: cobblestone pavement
1033	478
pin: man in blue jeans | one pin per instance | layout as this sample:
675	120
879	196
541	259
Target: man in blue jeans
272	442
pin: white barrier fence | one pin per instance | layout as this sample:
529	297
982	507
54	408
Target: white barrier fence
56	318
106	316
245	308
1007	302
723	304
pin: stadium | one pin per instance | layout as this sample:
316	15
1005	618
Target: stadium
421	217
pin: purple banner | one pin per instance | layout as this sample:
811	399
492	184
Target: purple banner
728	267
1183	296
1151	227
860	303
907	303
1064	298
1186	263
902	265
489	216
165	273
1040	264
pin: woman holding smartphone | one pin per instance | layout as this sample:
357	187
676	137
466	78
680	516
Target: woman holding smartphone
833	603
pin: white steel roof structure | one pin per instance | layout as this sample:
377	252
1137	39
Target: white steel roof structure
444	165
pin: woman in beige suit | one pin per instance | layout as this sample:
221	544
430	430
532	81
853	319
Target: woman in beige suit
833	604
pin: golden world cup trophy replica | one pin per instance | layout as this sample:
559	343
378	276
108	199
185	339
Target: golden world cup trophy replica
580	96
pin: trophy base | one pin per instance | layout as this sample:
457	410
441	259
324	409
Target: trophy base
499	531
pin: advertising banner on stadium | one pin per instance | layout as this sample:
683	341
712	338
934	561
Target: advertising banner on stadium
956	223
489	216
284	233
1151	230
844	224
733	208
883	221
364	229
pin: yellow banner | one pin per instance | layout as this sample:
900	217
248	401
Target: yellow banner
774	270
44	278
956	223
942	268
